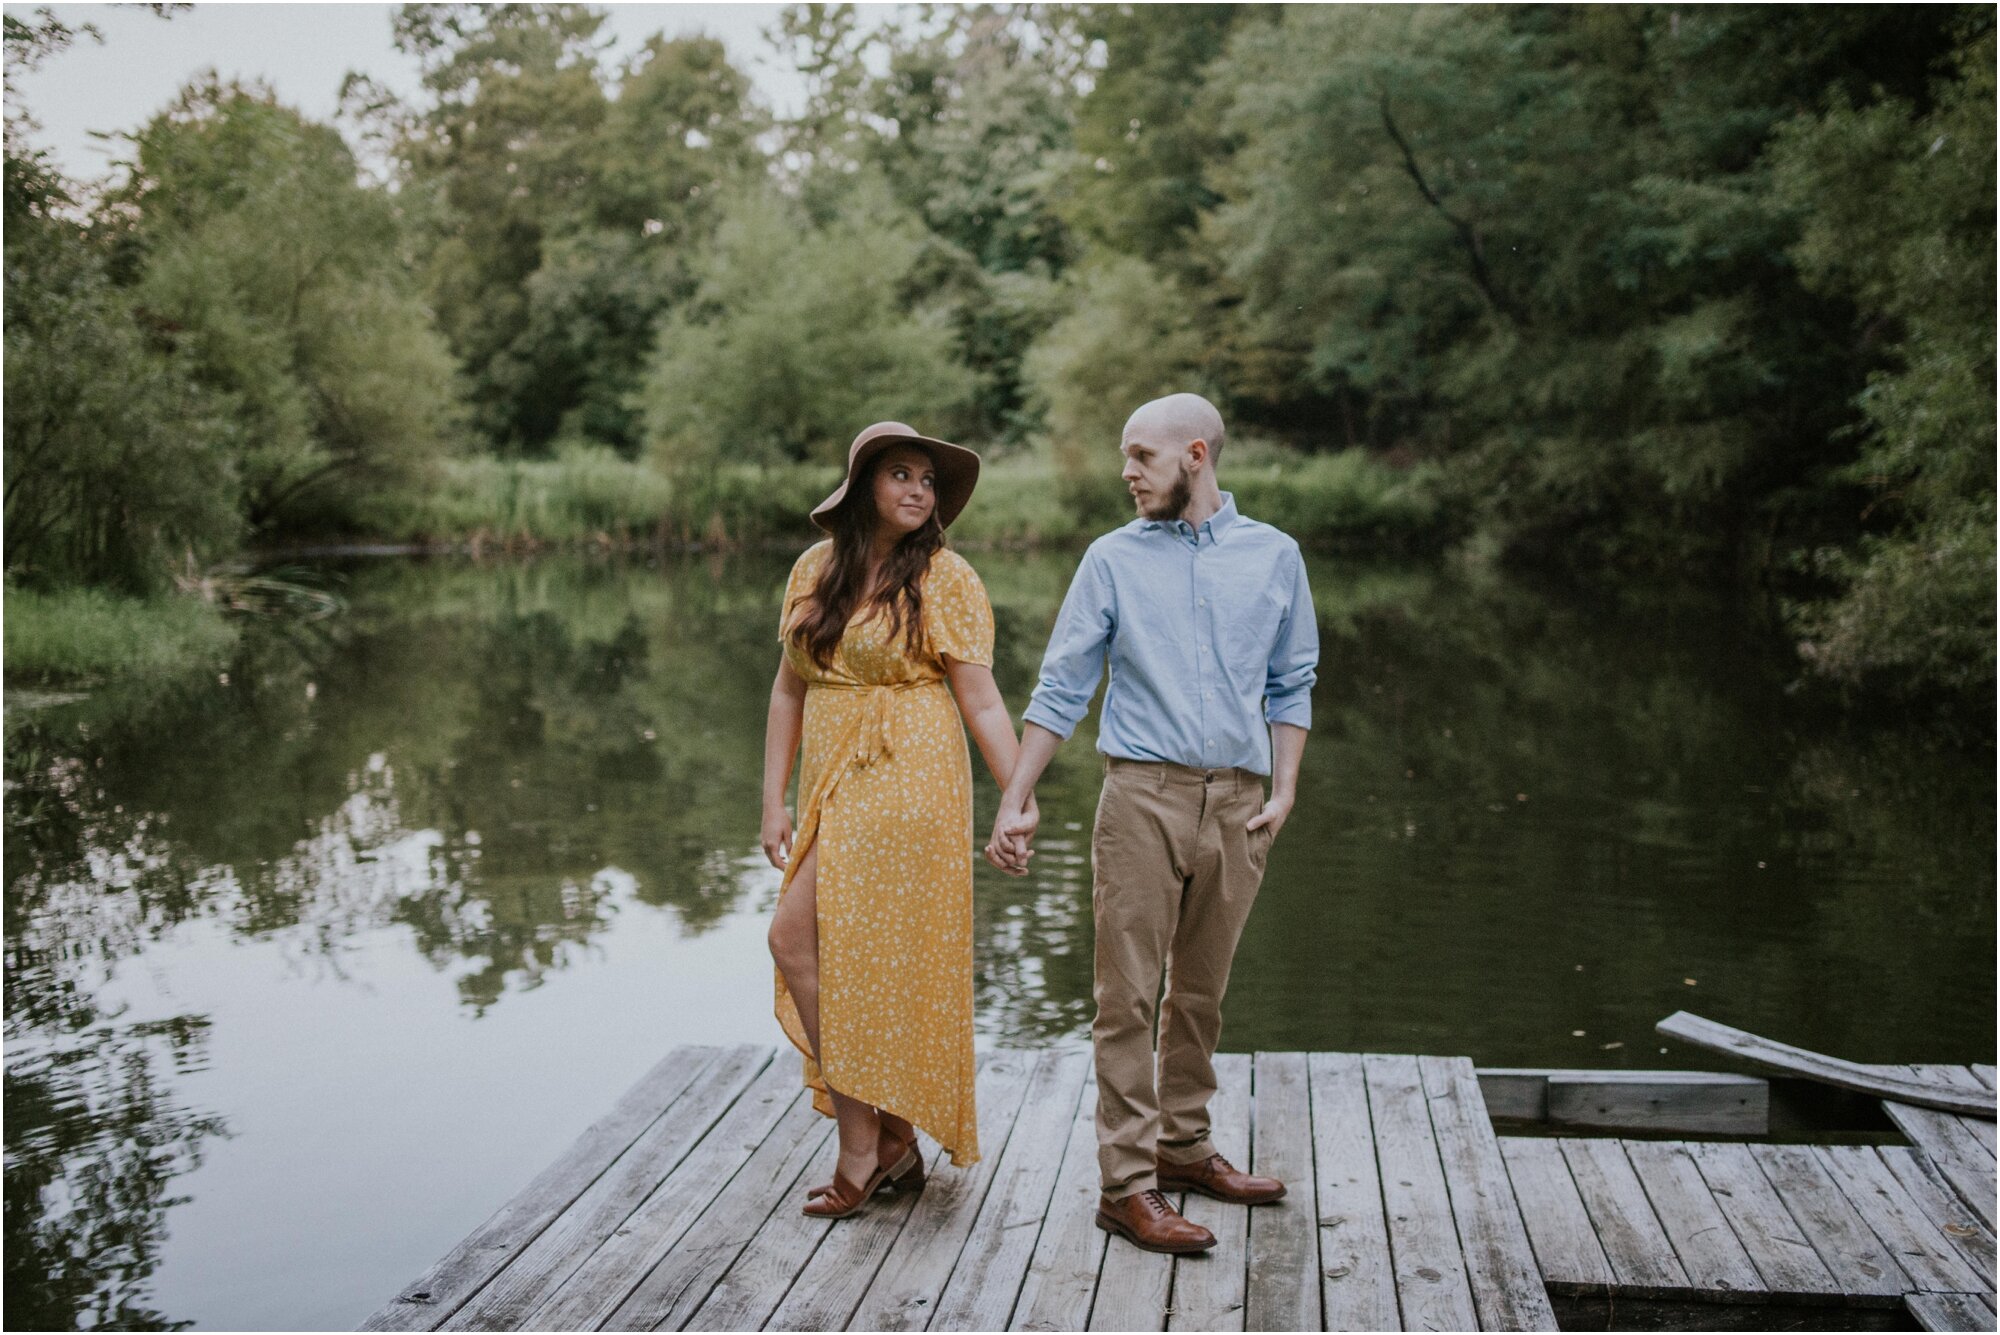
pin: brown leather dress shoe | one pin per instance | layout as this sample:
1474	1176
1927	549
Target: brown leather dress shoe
1215	1177
1148	1221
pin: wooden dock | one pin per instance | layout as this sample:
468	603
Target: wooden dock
679	1209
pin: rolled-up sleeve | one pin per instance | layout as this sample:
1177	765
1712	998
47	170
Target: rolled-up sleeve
1074	662
1288	681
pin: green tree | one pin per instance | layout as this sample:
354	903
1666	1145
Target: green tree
1128	337
1542	242
800	335
279	275
1898	203
1149	137
118	464
556	217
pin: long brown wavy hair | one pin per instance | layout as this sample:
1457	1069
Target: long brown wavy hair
836	596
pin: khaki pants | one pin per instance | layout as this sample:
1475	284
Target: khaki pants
1174	875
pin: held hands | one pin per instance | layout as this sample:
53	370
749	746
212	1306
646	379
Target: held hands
777	836
1013	833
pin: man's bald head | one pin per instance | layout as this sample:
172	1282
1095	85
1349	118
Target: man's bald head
1175	422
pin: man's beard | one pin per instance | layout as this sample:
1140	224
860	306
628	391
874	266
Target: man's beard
1176	501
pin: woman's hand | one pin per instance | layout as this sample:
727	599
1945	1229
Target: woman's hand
777	836
1013	836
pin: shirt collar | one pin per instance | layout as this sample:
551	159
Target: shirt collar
1215	525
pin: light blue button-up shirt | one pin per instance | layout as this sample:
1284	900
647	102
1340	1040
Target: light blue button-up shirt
1209	634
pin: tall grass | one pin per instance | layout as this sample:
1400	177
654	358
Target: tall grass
85	634
589	494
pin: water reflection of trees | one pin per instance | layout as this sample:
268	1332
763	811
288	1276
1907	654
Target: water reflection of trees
493	759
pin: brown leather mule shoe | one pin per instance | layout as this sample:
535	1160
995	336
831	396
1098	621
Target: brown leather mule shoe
1146	1220
1213	1176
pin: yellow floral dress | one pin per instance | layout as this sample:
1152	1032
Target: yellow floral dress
885	790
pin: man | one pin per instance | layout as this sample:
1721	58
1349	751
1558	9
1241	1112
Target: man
1206	622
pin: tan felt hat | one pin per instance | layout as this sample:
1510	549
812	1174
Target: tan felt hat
957	469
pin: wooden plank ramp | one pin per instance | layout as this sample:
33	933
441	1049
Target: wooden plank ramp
680	1210
1901	1083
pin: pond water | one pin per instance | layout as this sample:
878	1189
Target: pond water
312	964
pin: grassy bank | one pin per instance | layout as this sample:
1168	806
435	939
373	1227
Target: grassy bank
75	636
593	496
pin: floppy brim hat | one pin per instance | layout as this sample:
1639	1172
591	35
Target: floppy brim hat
957	469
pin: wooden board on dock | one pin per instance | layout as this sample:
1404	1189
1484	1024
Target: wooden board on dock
1861	1225
1885	1082
680	1210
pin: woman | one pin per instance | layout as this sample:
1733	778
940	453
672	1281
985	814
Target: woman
873	933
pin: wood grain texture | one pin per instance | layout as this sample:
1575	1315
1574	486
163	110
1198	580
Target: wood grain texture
1208	1291
1642	1259
609	1274
1952	1311
1357	1273
1941	1205
441	1290
1432	1289
506	1300
906	1289
1855	1257
1932	1264
1882	1082
1777	1246
1567	1252
1500	1268
982	1287
772	1181
1062	1273
1715	1261
1282	1291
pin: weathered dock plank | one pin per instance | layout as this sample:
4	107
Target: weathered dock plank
1208	1291
609	1274
681	1210
844	1271
1675	1102
1507	1290
906	1289
1932	1264
1952	1311
1282	1291
1062	1273
1859	1262
1964	1077
1432	1289
1357	1275
442	1289
1133	1287
507	1299
673	1290
1567	1252
1715	1261
1960	1159
1882	1082
1642	1260
1918	1176
982	1287
1776	1245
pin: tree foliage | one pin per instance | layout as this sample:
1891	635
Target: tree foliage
278	276
1648	291
799	335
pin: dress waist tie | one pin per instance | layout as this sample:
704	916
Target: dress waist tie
868	739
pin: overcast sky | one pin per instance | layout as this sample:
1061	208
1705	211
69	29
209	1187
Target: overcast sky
303	51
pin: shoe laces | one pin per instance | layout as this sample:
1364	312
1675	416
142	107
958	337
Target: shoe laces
1156	1200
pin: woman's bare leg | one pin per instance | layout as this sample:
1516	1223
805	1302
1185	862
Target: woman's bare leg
795	949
